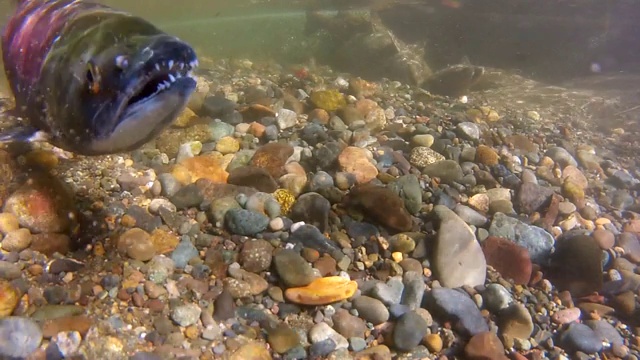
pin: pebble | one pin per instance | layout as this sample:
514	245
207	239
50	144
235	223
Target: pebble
322	332
186	315
537	241
184	252
322	291
256	255
348	325
68	342
566	316
458	308
42	204
357	344
16	240
515	322
580	337
9	298
458	258
511	260
8	223
19	337
371	310
293	269
577	265
409	331
496	297
9	271
485	345
282	338
389	293
421	156
381	204
246	222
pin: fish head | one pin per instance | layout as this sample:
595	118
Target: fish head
133	91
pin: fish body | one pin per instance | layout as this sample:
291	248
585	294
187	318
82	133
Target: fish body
91	79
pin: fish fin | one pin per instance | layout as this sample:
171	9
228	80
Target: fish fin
21	133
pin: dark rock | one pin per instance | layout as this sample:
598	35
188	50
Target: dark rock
312	208
255	177
382	205
576	265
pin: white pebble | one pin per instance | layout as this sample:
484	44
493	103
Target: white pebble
297	226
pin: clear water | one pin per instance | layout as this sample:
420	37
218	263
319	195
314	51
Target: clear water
547	40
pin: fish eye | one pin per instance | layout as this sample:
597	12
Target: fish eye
122	62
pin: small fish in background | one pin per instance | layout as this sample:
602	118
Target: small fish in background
453	4
90	79
302	73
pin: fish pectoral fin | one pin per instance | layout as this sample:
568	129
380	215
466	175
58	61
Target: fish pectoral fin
22	134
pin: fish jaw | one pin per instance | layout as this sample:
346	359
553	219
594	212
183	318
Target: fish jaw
122	92
158	87
142	121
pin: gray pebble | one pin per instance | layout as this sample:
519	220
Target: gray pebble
186	315
19	337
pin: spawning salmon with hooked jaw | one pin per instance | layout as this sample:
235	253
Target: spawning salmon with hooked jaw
90	79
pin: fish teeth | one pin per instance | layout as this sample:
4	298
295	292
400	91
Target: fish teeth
167	84
157	67
172	78
181	66
170	64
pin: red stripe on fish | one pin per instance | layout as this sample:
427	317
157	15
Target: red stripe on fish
28	37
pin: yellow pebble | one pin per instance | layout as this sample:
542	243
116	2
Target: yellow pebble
285	198
9	298
228	145
185	118
602	221
322	291
433	342
191	332
181	174
397	256
42	158
98	250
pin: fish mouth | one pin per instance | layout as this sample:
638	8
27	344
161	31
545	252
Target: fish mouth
152	104
163	77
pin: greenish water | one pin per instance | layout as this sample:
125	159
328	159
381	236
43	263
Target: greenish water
224	29
551	40
219	29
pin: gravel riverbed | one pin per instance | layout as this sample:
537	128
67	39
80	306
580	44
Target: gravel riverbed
295	214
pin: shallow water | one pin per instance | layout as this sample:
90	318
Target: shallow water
227	29
520	116
553	40
557	43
